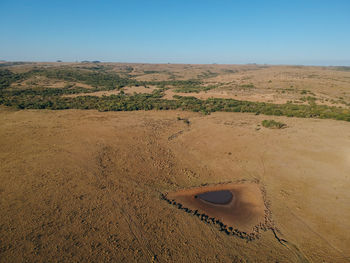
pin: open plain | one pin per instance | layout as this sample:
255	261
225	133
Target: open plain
87	185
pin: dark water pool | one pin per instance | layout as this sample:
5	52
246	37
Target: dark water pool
216	197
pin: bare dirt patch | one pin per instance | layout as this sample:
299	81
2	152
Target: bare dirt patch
139	89
244	208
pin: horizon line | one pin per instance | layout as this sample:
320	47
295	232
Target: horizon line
176	63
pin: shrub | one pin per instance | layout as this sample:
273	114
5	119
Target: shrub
272	124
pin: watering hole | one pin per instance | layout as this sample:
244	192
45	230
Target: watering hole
239	205
216	197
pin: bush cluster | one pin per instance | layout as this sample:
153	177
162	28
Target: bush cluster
51	98
273	124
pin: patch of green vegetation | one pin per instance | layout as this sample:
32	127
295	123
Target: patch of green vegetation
291	89
208	74
7	77
247	86
150	71
309	99
230	71
46	99
194	88
272	124
304	92
174	83
342	68
51	98
94	78
10	64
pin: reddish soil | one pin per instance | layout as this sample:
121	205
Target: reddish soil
244	212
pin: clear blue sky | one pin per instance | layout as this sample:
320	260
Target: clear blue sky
177	31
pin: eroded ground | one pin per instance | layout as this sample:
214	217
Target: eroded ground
87	185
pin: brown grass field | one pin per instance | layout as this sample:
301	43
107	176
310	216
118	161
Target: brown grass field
88	186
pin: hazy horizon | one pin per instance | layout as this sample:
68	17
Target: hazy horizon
340	64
